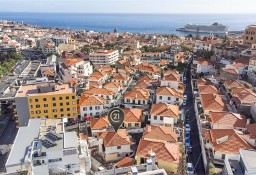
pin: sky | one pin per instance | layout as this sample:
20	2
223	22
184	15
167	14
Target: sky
129	6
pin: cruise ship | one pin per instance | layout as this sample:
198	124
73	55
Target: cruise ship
215	28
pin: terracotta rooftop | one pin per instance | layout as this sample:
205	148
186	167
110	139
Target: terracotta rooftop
160	133
213	102
111	138
99	123
228	119
141	94
98	91
166	110
202	81
165	151
71	61
167	91
205	63
233	84
208	89
86	100
132	115
146	67
227	141
125	162
230	71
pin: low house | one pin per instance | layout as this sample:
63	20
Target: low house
213	103
168	155
113	86
229	74
121	78
147	68
204	66
230	84
114	146
137	98
164	133
99	125
164	114
223	142
168	95
133	118
243	99
227	120
207	89
125	162
91	105
171	79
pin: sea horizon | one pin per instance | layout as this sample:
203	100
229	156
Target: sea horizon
162	23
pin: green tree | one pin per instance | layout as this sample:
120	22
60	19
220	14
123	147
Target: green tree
212	170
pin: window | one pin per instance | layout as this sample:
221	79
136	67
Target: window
32	112
38	111
160	97
30	100
118	147
136	124
62	115
73	97
68	115
169	98
60	98
67	103
45	111
128	100
53	98
74	114
61	104
37	106
55	116
45	105
54	110
129	124
90	108
155	117
36	100
161	118
68	109
31	106
54	104
73	102
67	97
61	109
44	99
177	99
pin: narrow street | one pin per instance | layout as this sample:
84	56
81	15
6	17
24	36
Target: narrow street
195	156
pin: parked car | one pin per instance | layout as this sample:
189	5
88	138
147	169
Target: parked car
187	128
190	169
184	103
187	143
185	97
187	135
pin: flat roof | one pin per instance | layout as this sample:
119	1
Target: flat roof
23	141
70	140
31	90
249	158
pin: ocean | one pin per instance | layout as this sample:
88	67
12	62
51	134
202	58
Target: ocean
137	23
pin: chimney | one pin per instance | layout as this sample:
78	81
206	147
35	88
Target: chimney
134	171
248	121
152	156
148	128
149	165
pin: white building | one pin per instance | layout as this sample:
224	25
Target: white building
114	151
164	114
49	48
75	68
151	57
204	66
91	105
171	79
106	57
168	95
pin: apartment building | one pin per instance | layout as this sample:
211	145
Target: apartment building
250	35
168	95
106	57
49	48
45	100
74	68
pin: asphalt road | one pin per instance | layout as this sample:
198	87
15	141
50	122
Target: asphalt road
195	156
6	140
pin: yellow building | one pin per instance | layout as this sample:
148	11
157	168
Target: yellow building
250	35
45	100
